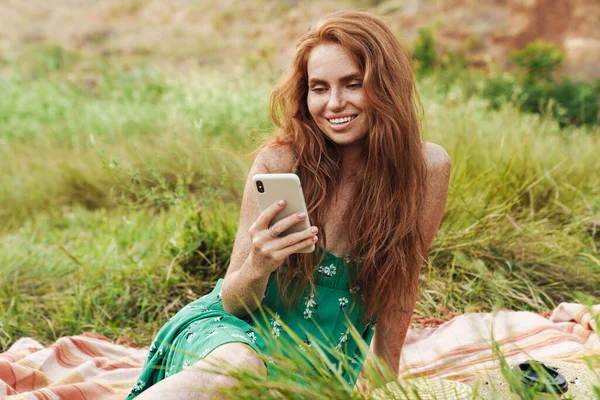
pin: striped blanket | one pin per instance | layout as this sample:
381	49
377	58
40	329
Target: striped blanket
461	349
92	367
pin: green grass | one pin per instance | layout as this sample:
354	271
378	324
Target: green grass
523	197
55	129
104	271
121	187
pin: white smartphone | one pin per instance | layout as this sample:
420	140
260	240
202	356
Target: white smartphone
270	188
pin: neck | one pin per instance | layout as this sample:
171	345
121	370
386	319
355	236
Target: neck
352	160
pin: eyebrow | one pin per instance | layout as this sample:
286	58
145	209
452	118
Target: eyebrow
343	79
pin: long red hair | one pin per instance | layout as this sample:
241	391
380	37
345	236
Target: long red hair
385	237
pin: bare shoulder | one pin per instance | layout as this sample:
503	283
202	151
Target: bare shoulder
276	158
436	157
436	190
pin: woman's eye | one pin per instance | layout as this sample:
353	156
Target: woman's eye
355	85
318	90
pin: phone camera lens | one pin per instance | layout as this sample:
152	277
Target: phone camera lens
260	187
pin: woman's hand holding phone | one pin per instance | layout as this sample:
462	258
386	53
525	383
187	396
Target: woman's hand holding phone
269	251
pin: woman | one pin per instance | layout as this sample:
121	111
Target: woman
348	124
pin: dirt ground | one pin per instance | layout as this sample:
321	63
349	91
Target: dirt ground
220	33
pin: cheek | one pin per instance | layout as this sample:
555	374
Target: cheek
314	106
360	101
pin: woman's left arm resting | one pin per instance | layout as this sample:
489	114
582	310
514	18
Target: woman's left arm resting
392	328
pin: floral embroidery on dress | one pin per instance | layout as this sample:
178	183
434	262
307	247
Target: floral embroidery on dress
138	387
200	307
305	343
343	302
328	271
311	306
252	336
193	306
213	333
203	354
276	330
343	339
237	335
170	372
217	319
195	324
189	336
186	363
354	289
161	352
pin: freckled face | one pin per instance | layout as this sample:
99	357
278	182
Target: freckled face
336	98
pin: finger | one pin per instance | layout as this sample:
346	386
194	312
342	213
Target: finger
294	238
288	222
263	220
282	254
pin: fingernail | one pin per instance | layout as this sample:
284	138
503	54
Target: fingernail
314	229
280	202
315	239
301	215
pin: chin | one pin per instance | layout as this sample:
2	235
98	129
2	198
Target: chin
345	139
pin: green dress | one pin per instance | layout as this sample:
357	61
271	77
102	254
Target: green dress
323	315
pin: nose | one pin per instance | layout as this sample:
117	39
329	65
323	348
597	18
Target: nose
337	100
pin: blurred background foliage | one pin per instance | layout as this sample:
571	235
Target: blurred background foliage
532	84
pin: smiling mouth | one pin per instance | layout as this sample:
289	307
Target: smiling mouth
341	121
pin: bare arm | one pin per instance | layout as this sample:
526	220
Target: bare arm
391	329
256	254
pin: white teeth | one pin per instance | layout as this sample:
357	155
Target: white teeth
342	120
